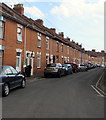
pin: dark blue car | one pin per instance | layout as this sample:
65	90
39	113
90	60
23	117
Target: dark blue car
10	78
68	68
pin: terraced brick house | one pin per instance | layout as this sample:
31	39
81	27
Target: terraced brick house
25	41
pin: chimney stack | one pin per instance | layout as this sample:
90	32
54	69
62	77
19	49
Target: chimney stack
80	46
53	30
68	39
61	34
102	51
19	8
39	21
77	44
93	50
73	41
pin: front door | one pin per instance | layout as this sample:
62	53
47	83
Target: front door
32	59
18	61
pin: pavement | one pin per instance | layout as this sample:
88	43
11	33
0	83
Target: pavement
101	83
34	77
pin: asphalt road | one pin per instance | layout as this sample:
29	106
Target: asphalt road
67	97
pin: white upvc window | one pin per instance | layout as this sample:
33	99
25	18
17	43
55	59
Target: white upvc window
1	29
65	59
39	40
38	59
19	33
47	43
47	58
51	58
68	59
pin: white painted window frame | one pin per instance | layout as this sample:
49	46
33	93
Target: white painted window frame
39	40
19	34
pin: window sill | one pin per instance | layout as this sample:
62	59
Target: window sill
47	48
39	47
38	67
1	38
19	42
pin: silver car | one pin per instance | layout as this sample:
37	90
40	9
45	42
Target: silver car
82	67
54	69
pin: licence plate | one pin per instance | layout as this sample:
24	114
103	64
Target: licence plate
50	69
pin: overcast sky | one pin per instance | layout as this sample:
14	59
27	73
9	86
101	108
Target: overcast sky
81	20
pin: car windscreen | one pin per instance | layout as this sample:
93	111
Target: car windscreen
82	65
65	65
51	65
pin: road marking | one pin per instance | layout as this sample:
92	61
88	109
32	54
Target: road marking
98	83
97	91
99	79
101	91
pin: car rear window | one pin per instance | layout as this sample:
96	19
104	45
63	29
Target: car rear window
51	65
66	65
82	65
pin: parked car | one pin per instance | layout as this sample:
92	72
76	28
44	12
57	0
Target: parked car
74	67
68	68
88	65
10	78
82	67
98	65
54	69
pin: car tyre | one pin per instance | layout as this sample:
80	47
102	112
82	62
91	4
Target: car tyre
59	74
65	73
6	90
45	75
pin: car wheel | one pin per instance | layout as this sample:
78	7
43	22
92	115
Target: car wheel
23	83
45	75
59	74
65	72
6	90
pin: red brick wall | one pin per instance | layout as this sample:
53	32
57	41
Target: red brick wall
11	44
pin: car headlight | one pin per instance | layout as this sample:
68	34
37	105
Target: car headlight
66	68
